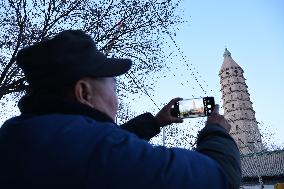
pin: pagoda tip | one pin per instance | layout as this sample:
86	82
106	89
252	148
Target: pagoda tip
226	53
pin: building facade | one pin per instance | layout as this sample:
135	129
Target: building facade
264	169
237	106
260	168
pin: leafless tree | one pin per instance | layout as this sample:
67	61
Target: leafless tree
268	138
182	135
122	28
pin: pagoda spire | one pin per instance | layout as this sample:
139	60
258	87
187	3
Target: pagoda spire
237	106
228	63
226	53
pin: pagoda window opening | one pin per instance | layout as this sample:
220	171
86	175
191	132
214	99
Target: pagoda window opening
237	128
233	105
227	73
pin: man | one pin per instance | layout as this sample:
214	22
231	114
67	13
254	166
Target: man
66	136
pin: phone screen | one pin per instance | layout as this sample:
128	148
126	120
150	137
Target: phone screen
190	108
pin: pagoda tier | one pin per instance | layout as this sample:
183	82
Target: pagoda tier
237	106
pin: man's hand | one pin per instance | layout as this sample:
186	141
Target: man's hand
164	116
218	119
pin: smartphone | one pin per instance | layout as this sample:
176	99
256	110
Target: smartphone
192	108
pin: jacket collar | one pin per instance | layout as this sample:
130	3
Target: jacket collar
41	105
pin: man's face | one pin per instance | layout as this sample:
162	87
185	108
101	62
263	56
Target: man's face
104	97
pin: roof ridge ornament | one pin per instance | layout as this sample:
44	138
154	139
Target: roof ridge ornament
226	53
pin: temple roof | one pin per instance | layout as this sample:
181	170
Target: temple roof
228	61
265	164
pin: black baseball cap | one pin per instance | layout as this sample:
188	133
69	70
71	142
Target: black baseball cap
67	57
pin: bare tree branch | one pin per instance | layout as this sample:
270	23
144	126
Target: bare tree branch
129	28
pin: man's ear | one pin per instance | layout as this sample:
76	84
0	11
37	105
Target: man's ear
83	92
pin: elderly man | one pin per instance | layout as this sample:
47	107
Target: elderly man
66	136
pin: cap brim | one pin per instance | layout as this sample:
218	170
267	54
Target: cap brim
115	67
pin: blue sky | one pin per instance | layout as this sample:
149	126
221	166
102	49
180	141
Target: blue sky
253	31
